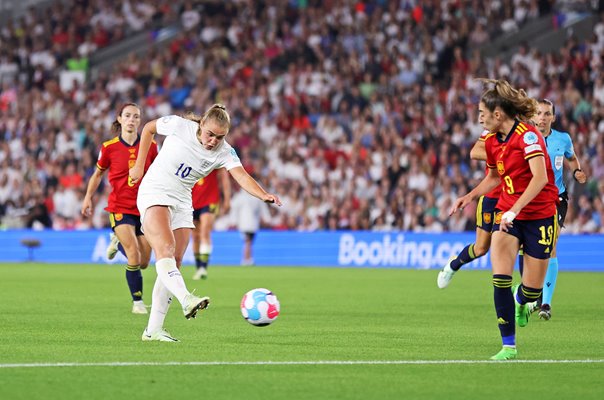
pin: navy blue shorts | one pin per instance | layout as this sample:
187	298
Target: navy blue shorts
117	219
485	213
536	237
210	208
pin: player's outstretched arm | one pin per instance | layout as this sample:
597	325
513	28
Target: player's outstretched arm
488	183
252	186
149	131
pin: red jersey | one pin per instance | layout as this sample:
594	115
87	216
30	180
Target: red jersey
206	191
118	156
495	193
510	157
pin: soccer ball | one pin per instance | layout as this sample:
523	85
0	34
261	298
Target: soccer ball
260	307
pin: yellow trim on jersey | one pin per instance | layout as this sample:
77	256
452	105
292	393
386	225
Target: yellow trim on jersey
521	128
479	211
534	155
100	168
484	138
111	141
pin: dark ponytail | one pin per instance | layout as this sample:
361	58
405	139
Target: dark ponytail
514	102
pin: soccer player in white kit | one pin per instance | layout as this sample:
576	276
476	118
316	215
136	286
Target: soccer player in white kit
190	151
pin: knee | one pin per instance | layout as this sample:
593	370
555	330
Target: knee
136	255
145	257
166	250
133	254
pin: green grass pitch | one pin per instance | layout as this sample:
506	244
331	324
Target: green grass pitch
80	315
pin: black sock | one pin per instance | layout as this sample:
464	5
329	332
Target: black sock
464	257
205	258
527	294
521	262
504	307
201	260
134	277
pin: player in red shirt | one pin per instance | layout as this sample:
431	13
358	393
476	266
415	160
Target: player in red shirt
206	201
526	210
118	155
485	216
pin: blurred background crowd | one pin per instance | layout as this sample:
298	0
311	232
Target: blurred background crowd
359	114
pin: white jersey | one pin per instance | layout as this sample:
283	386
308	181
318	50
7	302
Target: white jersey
181	162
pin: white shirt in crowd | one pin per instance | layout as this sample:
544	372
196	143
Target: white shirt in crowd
248	211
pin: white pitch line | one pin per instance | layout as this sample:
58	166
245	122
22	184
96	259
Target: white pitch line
323	362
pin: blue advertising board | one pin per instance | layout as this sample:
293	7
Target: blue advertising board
318	249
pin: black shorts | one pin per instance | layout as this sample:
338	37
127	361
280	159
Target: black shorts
210	208
562	208
117	219
536	237
485	213
248	236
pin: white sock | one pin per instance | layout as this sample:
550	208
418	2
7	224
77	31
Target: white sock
159	307
205	248
170	276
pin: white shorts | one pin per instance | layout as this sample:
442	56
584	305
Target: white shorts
181	215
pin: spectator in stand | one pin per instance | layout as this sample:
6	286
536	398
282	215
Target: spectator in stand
249	213
368	48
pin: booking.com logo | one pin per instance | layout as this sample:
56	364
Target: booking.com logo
395	251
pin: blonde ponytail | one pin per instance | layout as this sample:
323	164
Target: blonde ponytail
218	113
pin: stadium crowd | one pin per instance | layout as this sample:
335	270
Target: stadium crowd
359	114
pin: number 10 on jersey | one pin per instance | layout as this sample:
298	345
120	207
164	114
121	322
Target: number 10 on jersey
183	171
